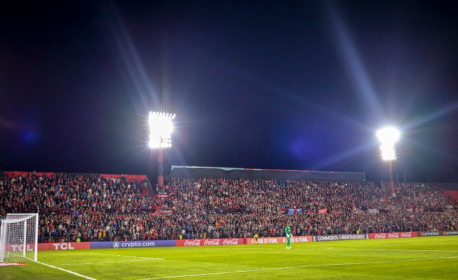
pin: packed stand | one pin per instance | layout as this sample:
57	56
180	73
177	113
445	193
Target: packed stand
238	208
74	206
91	208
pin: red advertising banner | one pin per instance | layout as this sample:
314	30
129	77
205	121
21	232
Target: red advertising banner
25	174
18	247
163	212
210	242
265	240
298	239
393	235
64	246
276	240
452	194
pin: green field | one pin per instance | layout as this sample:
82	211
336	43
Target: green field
407	258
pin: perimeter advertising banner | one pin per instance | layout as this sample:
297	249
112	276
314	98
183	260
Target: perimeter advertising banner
393	235
18	247
210	242
429	233
276	240
64	246
132	244
340	237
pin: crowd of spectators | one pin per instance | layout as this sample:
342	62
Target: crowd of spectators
92	208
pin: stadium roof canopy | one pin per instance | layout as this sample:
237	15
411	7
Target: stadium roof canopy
252	173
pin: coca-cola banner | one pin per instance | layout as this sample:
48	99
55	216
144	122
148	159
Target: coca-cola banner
393	235
132	244
275	240
210	242
340	237
64	246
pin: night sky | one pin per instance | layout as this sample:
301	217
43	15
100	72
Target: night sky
256	84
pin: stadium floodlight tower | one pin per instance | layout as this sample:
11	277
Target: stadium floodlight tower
160	137
388	137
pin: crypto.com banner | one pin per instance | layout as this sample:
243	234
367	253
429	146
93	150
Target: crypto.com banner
275	240
132	244
210	242
393	235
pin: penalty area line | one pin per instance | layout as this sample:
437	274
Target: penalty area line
294	267
66	270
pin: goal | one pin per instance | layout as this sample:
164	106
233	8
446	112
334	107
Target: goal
19	238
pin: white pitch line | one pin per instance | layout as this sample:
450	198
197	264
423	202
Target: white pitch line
410	250
68	271
293	267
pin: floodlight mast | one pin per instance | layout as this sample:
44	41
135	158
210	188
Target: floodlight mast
388	136
160	137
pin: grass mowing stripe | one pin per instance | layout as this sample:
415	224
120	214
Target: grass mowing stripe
295	267
127	256
123	261
66	270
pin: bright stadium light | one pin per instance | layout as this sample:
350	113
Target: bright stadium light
160	130
388	136
160	137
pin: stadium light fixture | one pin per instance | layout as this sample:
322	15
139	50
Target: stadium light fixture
160	129
388	137
160	137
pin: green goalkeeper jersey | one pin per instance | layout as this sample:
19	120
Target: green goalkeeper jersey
288	231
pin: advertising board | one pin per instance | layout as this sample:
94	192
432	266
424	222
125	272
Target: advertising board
276	240
210	242
64	246
340	237
405	234
429	233
132	244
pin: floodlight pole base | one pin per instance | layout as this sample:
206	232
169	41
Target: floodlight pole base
390	171
160	160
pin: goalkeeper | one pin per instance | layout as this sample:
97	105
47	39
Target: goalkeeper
288	236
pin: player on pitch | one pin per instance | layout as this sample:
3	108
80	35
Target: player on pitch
288	236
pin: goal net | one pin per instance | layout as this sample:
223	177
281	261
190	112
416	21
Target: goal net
19	238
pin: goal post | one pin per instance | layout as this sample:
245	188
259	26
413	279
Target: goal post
19	237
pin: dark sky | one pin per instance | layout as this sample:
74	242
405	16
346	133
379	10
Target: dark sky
258	84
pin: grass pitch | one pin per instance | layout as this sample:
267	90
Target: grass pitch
406	258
